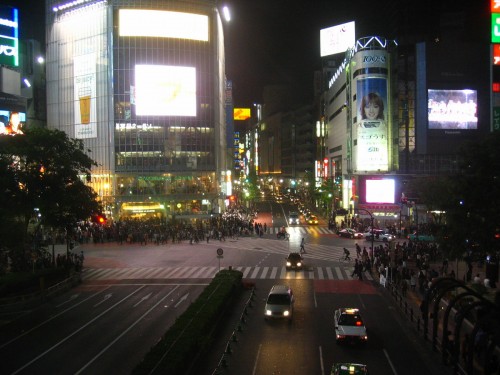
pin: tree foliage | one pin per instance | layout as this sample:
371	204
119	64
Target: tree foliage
469	200
473	216
41	178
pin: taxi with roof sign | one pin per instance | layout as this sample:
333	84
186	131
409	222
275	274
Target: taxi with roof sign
349	369
349	326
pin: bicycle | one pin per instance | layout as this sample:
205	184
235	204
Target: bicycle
344	259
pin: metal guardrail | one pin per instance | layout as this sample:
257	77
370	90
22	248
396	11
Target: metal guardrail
36	298
223	362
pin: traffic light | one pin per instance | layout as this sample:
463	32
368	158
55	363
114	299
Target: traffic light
99	219
232	198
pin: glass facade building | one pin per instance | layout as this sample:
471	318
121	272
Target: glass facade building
142	84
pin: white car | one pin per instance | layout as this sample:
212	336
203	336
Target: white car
349	326
279	303
379	234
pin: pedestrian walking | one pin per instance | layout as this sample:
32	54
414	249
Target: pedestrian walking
302	246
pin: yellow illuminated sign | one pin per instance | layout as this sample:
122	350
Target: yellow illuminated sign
241	113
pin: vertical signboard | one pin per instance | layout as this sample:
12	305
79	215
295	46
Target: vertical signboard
85	96
372	132
9	36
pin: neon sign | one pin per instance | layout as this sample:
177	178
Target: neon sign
9	36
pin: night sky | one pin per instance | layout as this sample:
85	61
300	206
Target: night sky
267	41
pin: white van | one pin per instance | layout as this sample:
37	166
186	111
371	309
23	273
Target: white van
279	303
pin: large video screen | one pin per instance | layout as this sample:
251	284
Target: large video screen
12	122
380	191
157	23
162	90
452	109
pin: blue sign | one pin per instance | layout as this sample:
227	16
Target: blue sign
9	36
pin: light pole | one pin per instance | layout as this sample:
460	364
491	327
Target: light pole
373	235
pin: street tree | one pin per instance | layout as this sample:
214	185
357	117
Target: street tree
473	217
43	175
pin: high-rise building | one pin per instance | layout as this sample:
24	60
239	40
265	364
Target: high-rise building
142	84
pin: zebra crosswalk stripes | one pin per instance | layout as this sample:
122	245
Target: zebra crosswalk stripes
269	273
302	230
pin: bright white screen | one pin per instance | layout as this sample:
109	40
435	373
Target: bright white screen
156	23
380	191
337	39
162	90
452	109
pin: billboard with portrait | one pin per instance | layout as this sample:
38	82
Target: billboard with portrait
12	122
452	109
372	129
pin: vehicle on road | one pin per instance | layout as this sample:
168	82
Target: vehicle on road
312	220
349	326
349	369
421	237
379	235
293	218
279	303
350	233
294	261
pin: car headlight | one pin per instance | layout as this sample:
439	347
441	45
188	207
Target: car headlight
299	264
269	312
288	264
286	313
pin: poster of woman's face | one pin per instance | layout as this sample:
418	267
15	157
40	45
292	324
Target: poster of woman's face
372	102
12	122
371	132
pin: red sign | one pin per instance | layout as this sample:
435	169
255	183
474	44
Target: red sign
495	6
496	54
380	207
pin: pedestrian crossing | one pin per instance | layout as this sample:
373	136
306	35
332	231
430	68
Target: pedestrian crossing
312	229
256	273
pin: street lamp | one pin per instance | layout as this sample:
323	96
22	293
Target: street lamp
373	234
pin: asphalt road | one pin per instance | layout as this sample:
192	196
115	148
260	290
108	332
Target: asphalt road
131	294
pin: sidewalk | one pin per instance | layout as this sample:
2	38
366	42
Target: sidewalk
410	305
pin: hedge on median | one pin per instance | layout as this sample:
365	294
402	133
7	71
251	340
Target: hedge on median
192	332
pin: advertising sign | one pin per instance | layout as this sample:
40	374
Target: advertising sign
495	27
9	36
241	113
337	39
162	90
164	24
452	109
12	122
372	137
85	96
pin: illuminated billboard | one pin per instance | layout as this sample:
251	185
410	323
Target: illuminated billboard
495	27
162	90
85	96
11	122
163	24
452	109
380	191
337	39
9	36
372	130
241	113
